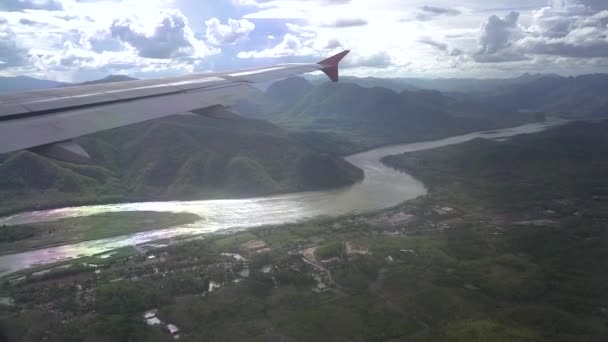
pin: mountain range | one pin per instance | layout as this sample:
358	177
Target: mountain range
24	83
583	96
309	125
573	97
445	85
374	116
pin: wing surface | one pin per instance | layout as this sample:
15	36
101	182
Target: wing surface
47	121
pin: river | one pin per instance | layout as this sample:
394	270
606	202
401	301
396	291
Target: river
382	187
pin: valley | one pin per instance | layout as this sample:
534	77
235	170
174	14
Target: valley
499	237
461	263
303	171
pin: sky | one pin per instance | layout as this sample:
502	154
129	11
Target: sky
79	40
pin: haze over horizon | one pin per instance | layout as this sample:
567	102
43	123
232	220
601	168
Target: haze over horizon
80	40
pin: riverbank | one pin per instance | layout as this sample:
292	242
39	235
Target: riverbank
20	238
205	159
115	193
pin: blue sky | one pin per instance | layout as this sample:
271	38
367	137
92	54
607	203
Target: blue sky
77	40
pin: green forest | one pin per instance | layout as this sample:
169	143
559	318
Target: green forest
492	253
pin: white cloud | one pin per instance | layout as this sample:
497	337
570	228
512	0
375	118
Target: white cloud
346	22
587	37
496	39
19	5
11	53
498	33
91	36
289	46
426	12
566	29
333	44
378	60
441	46
74	47
594	5
440	10
219	34
433	43
165	36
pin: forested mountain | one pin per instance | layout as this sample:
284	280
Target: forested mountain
445	85
396	84
582	96
373	116
567	163
184	156
472	85
536	242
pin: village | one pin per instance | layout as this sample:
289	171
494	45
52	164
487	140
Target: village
308	261
316	256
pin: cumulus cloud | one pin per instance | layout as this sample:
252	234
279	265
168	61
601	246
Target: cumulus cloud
75	47
557	21
291	45
498	33
569	36
11	54
430	42
301	31
333	44
264	3
28	22
20	5
426	13
71	56
441	46
299	41
379	60
496	40
594	5
78	61
336	2
567	28
346	22
143	39
220	34
167	36
570	28
68	17
440	10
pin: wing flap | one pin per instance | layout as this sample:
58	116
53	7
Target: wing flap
69	151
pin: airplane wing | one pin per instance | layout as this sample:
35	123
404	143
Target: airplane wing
47	121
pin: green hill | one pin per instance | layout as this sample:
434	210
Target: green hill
563	165
540	198
180	157
375	116
582	96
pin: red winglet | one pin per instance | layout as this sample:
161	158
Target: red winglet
330	65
